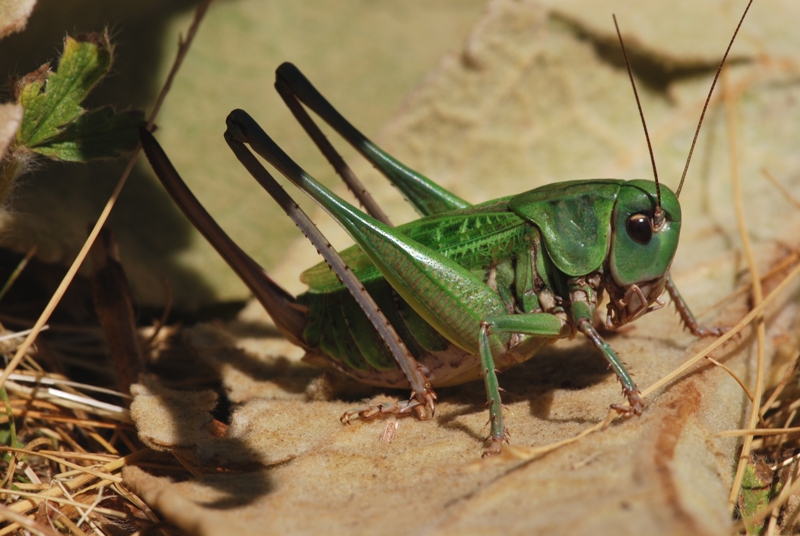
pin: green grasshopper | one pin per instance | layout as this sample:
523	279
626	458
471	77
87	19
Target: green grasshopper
464	291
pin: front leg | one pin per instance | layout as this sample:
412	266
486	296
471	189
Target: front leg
687	317
584	298
629	389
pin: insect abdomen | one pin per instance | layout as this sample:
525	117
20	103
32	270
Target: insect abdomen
338	327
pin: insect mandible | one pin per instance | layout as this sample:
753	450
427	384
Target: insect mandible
464	291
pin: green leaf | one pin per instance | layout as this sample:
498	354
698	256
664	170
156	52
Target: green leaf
55	100
55	125
100	133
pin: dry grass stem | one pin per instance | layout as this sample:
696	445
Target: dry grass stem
781	188
71	502
21	521
678	372
780	267
759	432
757	293
732	375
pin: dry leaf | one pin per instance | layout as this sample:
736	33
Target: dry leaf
10	119
14	15
532	99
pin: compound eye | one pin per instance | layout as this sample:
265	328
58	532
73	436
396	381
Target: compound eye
639	228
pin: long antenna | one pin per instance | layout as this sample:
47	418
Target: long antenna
708	99
659	214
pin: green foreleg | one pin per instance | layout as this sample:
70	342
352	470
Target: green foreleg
629	388
584	302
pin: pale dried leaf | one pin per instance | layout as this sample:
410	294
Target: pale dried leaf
529	101
10	119
14	15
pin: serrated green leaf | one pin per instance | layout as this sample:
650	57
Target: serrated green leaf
54	123
100	133
52	101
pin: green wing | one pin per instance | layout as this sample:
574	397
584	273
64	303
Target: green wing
475	237
575	221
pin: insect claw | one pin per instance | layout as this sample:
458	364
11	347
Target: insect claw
495	449
658	305
626	412
431	402
697	331
497	444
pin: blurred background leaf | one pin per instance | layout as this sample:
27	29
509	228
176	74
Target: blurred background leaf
537	94
364	55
